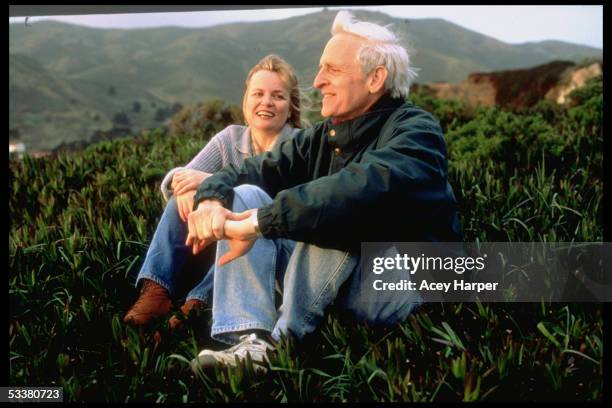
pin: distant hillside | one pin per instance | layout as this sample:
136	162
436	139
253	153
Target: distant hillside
67	81
518	88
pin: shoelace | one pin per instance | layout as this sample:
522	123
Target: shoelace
247	340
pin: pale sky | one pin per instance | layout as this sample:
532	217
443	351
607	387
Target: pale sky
511	24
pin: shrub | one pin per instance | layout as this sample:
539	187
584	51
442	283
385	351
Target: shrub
205	118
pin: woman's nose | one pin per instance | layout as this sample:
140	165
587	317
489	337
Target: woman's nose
267	100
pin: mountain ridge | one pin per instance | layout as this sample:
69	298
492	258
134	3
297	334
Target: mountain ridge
108	71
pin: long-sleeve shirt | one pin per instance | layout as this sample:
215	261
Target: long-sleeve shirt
230	146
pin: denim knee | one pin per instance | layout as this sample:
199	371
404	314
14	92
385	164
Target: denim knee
247	196
248	189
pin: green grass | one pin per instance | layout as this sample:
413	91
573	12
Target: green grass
81	224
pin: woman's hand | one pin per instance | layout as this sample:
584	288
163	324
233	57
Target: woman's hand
184	202
187	179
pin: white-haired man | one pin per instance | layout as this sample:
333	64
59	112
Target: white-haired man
374	170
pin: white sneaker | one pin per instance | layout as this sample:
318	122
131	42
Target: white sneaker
249	344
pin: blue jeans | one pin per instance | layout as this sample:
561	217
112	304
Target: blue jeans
169	261
311	278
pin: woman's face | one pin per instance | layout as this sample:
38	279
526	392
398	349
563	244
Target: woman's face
266	105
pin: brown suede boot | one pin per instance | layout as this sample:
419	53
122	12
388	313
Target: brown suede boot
153	302
189	306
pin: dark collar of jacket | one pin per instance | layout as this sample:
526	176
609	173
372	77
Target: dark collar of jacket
363	128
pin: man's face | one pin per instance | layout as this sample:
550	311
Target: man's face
343	86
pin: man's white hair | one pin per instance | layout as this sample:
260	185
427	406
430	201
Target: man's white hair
380	48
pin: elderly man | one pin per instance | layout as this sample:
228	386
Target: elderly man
374	170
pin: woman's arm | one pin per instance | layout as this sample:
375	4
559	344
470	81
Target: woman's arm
208	160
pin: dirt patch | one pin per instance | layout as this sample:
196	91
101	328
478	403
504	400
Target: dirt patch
517	88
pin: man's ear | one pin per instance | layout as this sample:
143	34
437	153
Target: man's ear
377	79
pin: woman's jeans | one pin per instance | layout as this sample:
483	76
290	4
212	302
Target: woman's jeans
170	263
311	279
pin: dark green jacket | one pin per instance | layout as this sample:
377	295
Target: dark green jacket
379	177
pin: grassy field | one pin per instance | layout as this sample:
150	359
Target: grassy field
80	225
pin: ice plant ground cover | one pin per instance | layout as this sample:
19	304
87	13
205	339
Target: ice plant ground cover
80	224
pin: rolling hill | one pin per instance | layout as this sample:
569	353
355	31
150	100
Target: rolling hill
67	81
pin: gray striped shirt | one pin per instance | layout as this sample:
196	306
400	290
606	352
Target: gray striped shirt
230	146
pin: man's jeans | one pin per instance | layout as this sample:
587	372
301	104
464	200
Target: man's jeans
311	278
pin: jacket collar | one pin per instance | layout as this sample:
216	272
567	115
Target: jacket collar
364	127
244	146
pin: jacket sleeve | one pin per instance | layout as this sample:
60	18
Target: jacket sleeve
391	185
209	160
283	167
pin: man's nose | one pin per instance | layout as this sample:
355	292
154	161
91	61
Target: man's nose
319	80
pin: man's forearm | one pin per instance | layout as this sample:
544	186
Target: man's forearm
219	186
281	168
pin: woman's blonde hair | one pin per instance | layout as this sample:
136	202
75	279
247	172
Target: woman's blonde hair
276	64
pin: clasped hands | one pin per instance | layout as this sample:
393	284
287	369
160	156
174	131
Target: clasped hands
211	222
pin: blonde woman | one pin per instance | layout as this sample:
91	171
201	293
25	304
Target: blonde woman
271	107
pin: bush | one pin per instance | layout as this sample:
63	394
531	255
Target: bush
121	120
205	119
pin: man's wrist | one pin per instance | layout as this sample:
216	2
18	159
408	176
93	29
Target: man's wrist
209	201
256	225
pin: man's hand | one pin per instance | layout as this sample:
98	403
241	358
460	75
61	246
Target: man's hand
187	179
240	233
206	224
237	249
184	202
